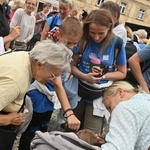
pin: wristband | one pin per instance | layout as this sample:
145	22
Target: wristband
69	116
103	77
66	111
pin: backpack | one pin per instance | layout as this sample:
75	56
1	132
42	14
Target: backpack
130	50
4	26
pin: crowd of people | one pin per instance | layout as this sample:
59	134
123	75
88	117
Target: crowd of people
37	53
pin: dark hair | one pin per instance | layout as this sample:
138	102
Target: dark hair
47	5
112	7
84	14
135	38
88	136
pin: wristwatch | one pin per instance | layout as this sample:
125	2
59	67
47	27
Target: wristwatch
103	77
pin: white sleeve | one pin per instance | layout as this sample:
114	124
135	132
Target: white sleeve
16	19
2	49
31	31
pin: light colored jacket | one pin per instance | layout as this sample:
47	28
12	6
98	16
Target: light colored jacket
59	141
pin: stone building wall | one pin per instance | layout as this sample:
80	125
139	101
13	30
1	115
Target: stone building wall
130	16
133	7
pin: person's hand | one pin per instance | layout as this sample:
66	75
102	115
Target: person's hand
93	77
145	88
73	123
99	139
98	70
15	33
53	35
16	118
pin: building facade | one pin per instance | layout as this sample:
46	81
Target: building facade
136	11
132	11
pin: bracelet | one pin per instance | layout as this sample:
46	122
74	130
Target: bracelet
103	77
68	116
66	111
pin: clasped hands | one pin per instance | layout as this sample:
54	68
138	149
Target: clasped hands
16	118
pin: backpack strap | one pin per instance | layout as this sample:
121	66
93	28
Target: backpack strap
117	47
23	104
53	23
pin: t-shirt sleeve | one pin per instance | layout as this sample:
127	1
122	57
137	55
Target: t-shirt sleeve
121	58
2	49
9	91
49	20
144	54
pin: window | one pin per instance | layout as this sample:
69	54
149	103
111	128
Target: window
122	7
99	2
140	14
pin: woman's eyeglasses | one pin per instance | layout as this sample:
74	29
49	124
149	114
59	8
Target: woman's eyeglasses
53	76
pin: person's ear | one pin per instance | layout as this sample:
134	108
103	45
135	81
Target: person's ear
115	18
121	92
38	64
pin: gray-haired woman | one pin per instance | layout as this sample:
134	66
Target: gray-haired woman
44	63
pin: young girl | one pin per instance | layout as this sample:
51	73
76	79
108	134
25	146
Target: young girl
98	42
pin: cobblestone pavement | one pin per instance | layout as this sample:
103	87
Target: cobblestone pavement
53	126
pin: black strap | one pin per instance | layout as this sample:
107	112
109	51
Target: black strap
84	47
116	24
7	52
145	68
23	104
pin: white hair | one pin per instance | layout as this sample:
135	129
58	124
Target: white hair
51	54
70	3
142	33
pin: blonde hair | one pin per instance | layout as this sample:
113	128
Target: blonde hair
17	4
129	32
68	2
126	86
71	26
51	54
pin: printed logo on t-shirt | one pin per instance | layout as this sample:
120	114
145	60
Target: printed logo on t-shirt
91	55
105	57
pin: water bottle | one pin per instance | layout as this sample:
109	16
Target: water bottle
94	62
